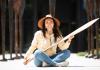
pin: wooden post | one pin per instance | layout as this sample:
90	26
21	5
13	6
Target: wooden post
0	31
97	12
15	9
52	6
11	27
21	27
90	10
18	7
89	33
3	23
35	17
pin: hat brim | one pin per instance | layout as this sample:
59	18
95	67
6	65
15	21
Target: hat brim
40	22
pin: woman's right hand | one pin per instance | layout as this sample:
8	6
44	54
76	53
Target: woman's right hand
25	61
28	59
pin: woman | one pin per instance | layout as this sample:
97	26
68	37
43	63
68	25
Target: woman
43	39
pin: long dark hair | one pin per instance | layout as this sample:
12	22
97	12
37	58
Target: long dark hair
56	30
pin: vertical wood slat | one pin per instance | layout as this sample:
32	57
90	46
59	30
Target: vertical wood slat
35	17
11	27
90	11
21	27
16	36
3	23
97	27
18	7
52	6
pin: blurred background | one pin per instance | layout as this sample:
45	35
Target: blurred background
19	23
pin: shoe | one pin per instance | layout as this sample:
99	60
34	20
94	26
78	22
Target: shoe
62	64
96	57
90	56
45	64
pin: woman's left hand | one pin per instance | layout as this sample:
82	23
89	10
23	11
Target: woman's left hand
70	38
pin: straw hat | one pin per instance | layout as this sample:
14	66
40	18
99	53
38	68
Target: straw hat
40	22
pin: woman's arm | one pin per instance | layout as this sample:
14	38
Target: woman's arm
65	45
68	42
30	51
32	47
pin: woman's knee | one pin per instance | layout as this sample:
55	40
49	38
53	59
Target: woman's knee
67	53
37	53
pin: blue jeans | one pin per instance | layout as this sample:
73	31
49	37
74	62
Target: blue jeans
41	57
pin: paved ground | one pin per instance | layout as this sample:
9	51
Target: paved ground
75	63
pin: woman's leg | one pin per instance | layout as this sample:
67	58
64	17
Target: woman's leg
61	56
42	57
37	62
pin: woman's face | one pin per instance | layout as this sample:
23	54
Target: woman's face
49	24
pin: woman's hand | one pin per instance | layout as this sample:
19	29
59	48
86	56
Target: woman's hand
28	59
25	61
70	38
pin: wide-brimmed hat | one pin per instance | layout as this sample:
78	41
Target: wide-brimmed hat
40	22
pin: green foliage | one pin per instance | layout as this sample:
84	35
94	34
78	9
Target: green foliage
81	53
